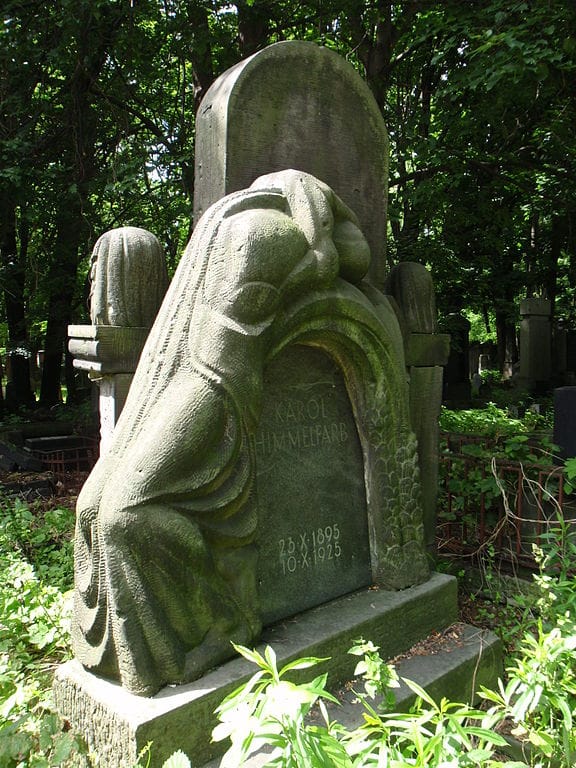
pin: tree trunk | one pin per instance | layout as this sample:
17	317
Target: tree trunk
253	25
18	391
78	154
62	282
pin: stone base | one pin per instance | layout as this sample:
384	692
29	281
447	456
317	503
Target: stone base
118	725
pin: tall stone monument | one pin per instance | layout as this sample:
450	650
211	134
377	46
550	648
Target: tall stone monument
304	113
264	475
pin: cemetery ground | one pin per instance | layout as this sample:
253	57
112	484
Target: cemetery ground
522	592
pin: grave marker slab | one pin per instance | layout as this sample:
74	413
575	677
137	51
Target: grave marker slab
312	514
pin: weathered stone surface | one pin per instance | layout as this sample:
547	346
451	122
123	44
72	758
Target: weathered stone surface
312	538
425	401
128	278
427	349
411	285
106	349
117	724
166	540
296	105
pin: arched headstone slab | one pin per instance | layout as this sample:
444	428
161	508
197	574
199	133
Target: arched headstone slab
296	105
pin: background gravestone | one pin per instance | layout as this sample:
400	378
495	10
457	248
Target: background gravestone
295	105
128	282
535	343
565	421
457	389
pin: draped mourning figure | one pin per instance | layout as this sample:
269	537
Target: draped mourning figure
165	556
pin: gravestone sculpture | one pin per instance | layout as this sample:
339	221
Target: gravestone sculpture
268	466
166	564
128	282
297	105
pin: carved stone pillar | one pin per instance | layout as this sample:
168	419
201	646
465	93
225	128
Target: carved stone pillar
129	280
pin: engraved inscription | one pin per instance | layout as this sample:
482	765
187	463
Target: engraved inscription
297	424
312	538
310	549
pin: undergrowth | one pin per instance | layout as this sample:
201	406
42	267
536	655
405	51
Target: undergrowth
537	698
535	704
36	563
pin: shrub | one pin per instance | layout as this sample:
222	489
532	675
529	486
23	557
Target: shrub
36	563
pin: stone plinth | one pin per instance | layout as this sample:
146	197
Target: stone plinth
110	355
117	725
565	421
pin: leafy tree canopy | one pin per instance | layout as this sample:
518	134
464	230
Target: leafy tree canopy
97	105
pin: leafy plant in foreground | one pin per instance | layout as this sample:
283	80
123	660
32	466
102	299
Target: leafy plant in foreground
34	617
379	678
270	711
540	696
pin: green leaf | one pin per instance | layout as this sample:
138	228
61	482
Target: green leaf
270	656
63	746
177	760
483	733
250	655
420	692
303	663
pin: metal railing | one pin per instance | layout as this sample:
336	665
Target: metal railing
63	461
497	504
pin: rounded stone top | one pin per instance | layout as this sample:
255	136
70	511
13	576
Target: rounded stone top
129	278
296	105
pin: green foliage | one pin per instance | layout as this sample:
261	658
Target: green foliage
269	710
540	696
479	468
570	473
479	331
478	99
492	421
36	563
556	558
379	678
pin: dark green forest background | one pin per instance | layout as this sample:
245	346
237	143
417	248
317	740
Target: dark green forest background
97	104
